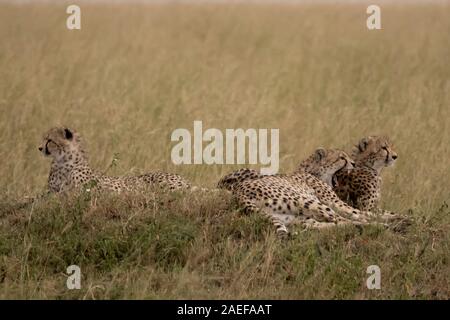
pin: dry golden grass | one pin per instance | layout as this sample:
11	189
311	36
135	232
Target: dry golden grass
135	73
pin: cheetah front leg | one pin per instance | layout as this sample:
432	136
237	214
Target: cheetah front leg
326	195
366	203
310	223
331	199
356	215
313	208
313	224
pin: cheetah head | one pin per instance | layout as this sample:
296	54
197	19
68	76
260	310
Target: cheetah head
60	141
325	163
375	152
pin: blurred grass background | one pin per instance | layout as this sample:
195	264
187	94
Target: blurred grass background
134	73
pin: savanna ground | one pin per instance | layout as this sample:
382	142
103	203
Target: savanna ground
135	73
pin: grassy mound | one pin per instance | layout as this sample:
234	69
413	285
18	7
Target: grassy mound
197	245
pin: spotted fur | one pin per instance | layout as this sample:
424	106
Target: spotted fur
300	197
361	187
70	167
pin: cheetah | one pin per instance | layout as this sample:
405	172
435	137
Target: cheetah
300	197
361	187
70	167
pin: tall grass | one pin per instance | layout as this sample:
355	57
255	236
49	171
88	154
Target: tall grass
135	73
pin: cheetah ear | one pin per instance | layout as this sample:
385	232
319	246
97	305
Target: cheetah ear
320	154
68	134
362	145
